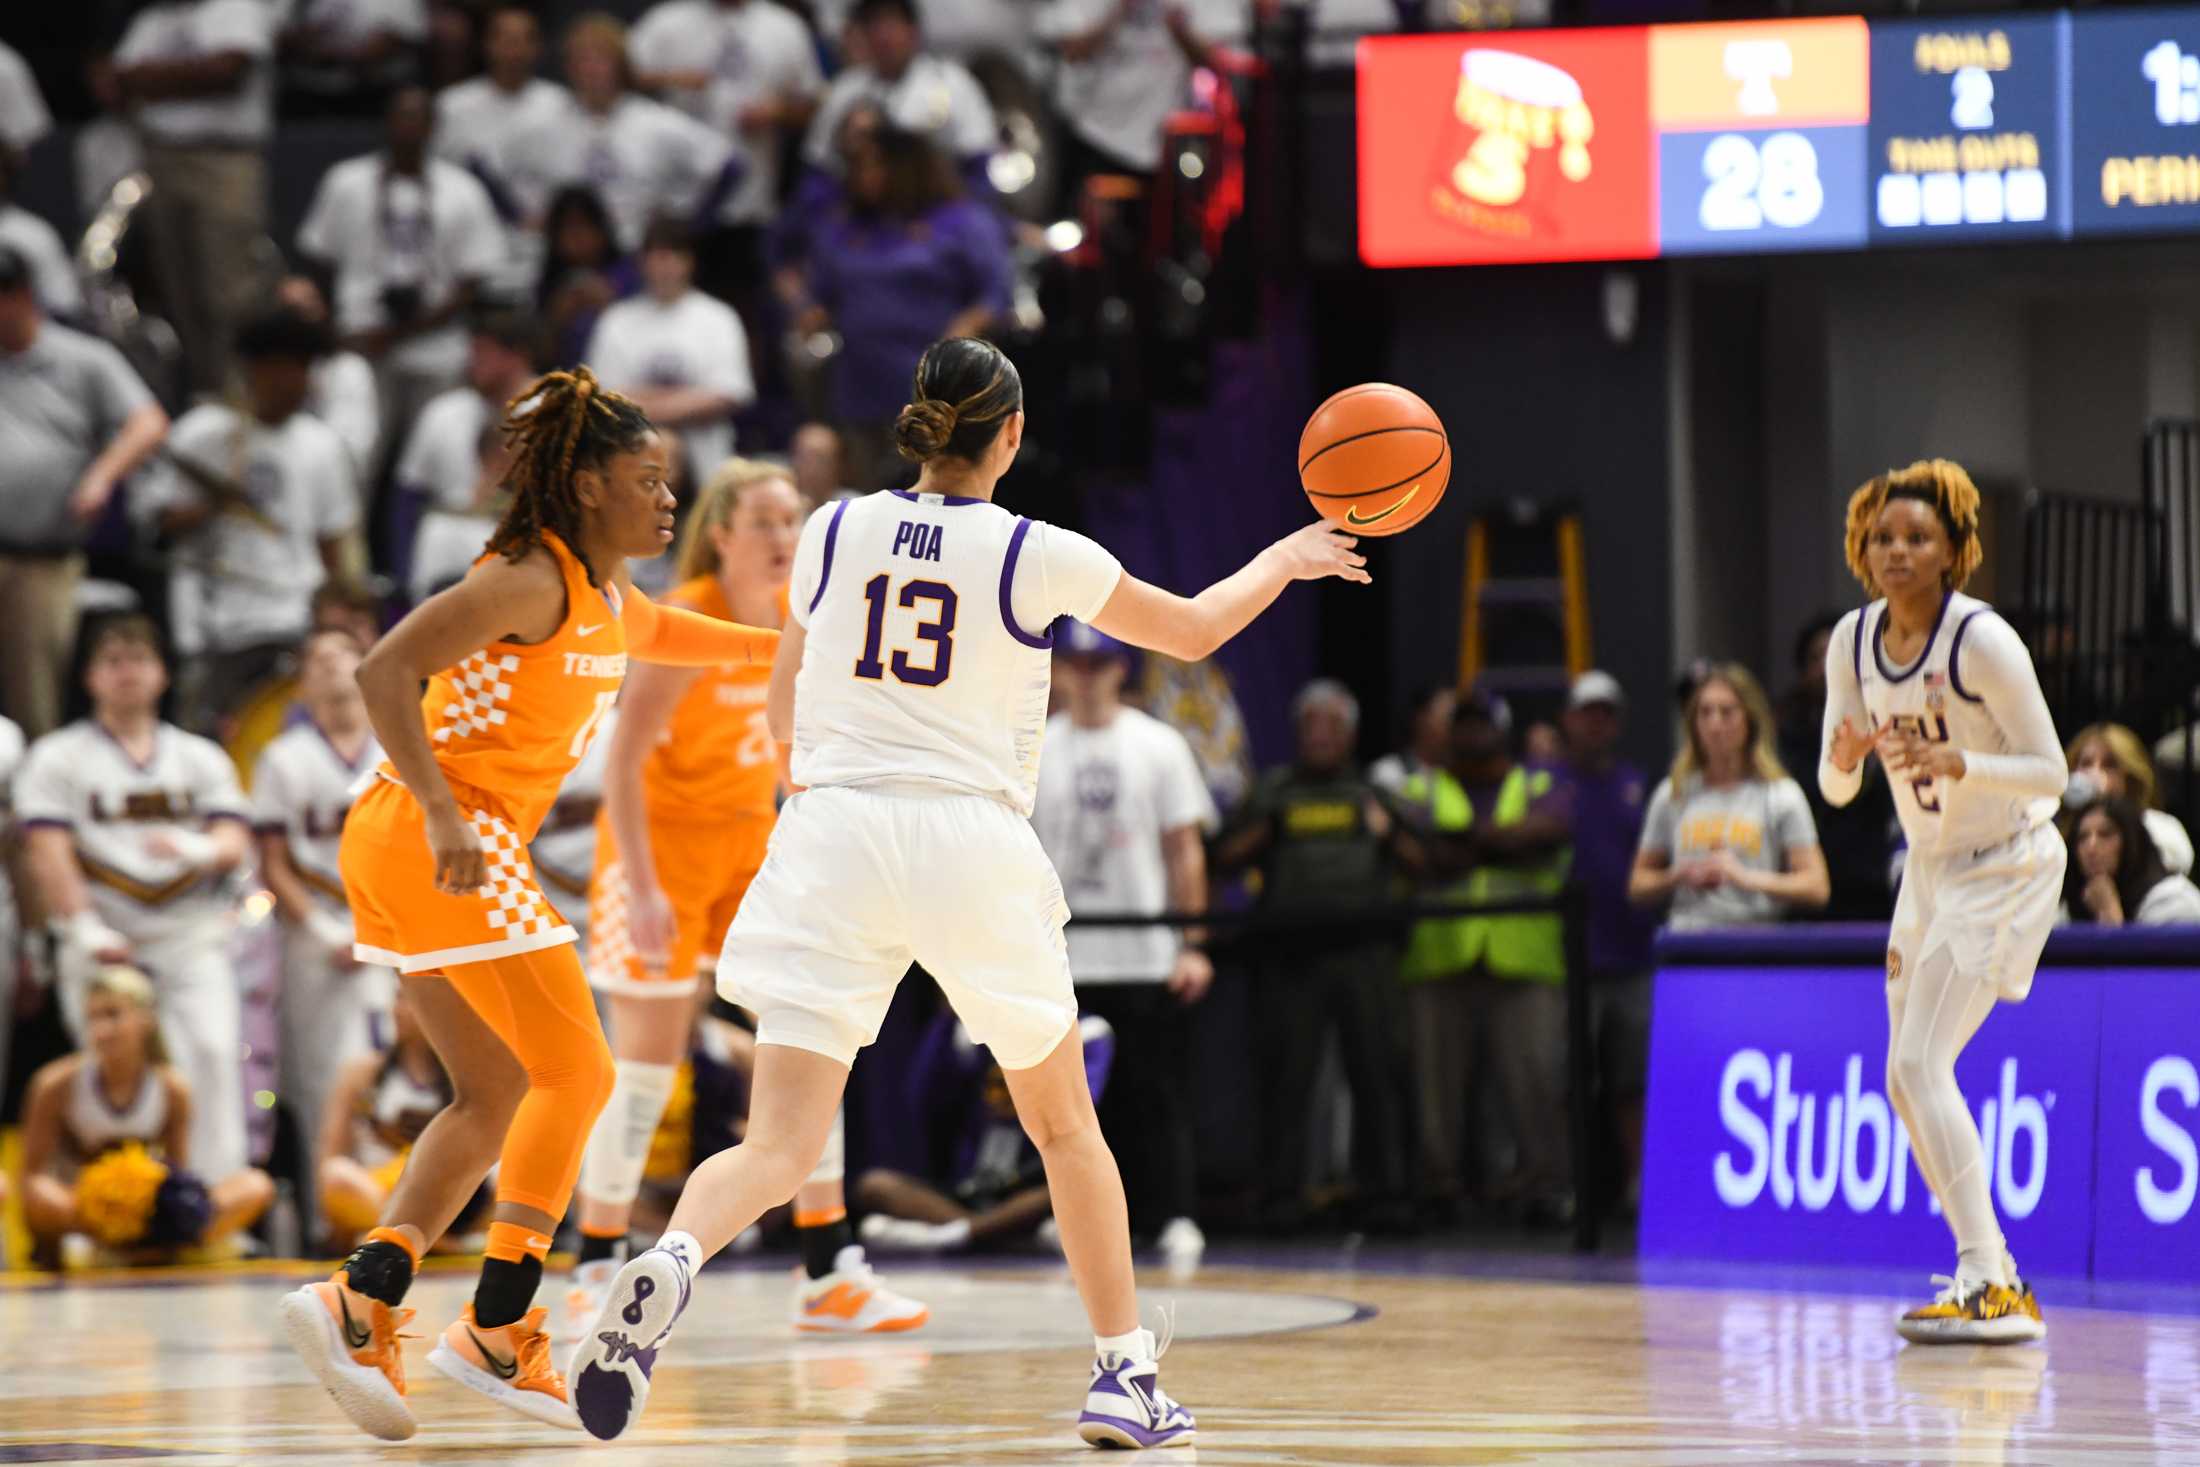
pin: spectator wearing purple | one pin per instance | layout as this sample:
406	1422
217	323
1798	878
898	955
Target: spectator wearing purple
1605	797
583	271
903	262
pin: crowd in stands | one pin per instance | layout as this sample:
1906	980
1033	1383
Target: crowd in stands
751	219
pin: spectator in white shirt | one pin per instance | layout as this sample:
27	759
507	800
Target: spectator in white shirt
344	394
680	355
642	157
198	75
345	56
479	122
916	90
749	69
53	272
23	115
1126	65
410	240
449	476
1122	811
258	503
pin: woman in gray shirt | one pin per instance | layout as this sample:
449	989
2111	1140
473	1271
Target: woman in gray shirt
1728	838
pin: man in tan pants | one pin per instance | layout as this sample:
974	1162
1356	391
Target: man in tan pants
74	420
198	78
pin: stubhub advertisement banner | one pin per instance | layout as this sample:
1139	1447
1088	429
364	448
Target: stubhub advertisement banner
1769	1134
2146	1224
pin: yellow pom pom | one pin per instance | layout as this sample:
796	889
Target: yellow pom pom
673	1142
115	1193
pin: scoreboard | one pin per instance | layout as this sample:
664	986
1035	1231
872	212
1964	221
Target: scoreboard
1781	135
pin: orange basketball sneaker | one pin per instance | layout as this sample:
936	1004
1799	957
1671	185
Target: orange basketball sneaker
851	1301
509	1364
350	1342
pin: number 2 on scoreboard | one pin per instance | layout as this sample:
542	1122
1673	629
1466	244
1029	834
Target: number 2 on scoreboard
1752	186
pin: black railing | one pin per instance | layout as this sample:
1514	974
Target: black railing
1249	928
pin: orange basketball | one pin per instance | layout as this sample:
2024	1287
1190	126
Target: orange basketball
1375	458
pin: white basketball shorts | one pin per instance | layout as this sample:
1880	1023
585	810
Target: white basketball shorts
857	883
1992	908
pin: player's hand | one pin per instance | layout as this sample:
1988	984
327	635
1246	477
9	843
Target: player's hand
649	922
2107	903
461	866
1919	757
1849	747
1192	976
1321	549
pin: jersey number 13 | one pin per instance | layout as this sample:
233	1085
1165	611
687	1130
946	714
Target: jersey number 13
939	631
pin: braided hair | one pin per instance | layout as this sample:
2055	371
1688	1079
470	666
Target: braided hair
1938	482
563	423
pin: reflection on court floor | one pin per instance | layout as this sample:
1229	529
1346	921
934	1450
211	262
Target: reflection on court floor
1298	1365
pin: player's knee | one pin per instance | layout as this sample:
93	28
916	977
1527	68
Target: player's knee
1909	1075
1060	1122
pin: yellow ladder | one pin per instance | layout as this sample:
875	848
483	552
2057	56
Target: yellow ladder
1524	614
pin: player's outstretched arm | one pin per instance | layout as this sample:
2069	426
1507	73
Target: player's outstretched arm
1189	629
681	638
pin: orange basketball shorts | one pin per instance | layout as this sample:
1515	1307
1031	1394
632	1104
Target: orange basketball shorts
400	920
705	871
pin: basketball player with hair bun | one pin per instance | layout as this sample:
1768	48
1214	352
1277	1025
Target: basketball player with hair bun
523	659
913	685
1942	690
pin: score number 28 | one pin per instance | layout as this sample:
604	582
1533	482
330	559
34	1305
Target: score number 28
1751	184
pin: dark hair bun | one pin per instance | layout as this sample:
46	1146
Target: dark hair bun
922	430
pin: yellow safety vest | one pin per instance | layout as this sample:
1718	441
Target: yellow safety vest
1530	946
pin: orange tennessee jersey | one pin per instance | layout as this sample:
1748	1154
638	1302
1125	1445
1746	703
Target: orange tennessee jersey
512	720
716	756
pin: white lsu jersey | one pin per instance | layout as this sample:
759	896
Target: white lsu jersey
564	850
302	790
929	648
116	810
1973	688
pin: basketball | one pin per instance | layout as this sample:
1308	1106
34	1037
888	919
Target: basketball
1375	458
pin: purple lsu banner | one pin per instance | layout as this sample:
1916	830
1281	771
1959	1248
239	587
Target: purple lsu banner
1769	1135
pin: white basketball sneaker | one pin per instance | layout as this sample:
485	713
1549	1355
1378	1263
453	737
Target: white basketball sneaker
851	1300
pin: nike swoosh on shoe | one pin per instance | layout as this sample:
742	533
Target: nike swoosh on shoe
355	1337
505	1369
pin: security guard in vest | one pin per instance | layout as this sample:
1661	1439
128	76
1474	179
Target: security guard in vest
1497	983
1323	840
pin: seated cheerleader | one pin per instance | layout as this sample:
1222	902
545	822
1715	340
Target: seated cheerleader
106	1142
378	1107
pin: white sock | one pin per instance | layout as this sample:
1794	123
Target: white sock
618	1149
1136	1346
1981	1264
951	1234
684	1246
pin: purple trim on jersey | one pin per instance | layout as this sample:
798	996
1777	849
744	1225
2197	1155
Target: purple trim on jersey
214	815
366	746
45	822
1955	645
1879	639
1856	653
832	536
1008	579
269	827
952	501
124	749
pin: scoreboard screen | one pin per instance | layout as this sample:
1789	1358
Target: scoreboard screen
2134	141
1965	130
1783	135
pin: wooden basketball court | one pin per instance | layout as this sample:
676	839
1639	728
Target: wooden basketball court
1329	1364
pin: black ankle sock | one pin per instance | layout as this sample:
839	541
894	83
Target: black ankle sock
381	1271
505	1290
603	1250
820	1246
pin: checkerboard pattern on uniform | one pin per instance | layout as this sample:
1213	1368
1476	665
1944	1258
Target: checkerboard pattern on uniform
517	908
482	690
610	945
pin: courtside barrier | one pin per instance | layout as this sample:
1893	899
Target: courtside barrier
1769	1136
